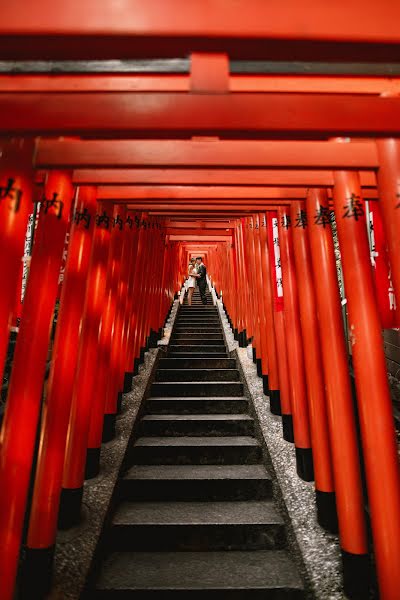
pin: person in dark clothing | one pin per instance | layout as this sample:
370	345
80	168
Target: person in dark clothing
201	278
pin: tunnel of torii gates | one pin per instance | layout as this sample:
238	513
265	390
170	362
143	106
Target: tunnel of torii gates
110	183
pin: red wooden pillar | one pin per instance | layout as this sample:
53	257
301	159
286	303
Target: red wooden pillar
16	194
341	420
110	341
237	273
266	268
252	312
132	301
298	391
107	361
373	396
243	278
324	485
389	194
279	324
261	303
83	395
248	288
45	503
140	294
144	285
24	396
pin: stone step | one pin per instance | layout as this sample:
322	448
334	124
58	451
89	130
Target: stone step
195	425
200	311
196	348
182	389
202	450
197	354
182	337
196	482
197	374
204	340
208	323
199	329
198	314
197	363
196	526
189	405
217	575
198	304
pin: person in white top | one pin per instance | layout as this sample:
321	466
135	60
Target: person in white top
191	282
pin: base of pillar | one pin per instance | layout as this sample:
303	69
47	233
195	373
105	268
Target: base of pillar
92	468
136	365
109	427
265	381
275	402
119	402
36	573
259	367
69	514
254	355
304	464
326	510
356	575
287	428
128	381
242	338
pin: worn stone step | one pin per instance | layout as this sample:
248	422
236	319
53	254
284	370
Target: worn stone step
182	389
204	340
197	304
188	337
196	482
197	318
196	348
195	425
197	526
199	405
241	574
200	314
197	374
200	329
215	325
197	354
202	450
197	363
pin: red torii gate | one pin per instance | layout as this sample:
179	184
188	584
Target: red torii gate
235	115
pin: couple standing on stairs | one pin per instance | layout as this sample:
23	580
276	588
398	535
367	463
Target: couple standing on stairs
196	272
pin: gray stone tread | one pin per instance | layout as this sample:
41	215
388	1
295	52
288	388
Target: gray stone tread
185	384
200	398
197	513
197	441
199	571
205	369
196	472
191	417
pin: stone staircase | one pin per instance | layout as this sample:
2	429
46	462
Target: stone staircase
195	516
